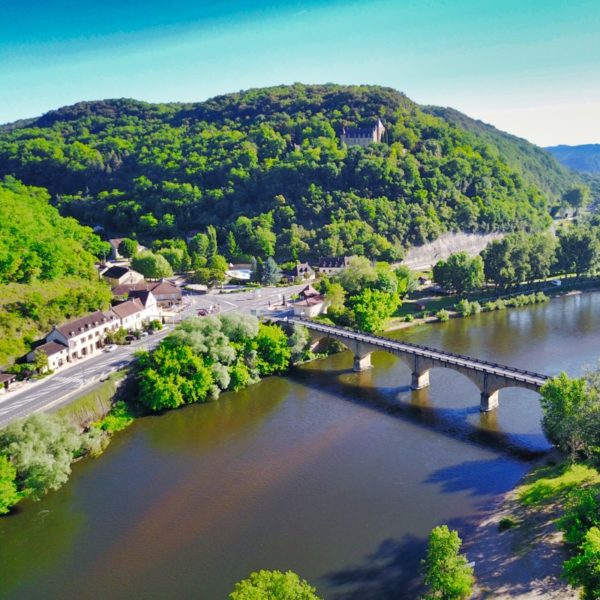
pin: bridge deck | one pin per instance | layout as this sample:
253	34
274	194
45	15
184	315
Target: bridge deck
450	358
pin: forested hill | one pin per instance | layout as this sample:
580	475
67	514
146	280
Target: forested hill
537	166
267	168
47	269
584	158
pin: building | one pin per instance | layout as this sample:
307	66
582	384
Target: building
363	136
166	293
86	335
310	303
299	271
6	380
310	307
132	314
148	300
331	264
57	353
118	275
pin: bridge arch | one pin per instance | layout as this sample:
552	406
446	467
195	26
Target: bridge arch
489	377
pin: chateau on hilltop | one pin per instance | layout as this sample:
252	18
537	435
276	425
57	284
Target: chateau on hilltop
363	136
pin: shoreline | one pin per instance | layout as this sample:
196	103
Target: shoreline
523	562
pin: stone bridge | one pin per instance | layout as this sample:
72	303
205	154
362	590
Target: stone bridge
489	377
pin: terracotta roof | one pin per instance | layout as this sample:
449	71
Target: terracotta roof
128	308
78	326
51	348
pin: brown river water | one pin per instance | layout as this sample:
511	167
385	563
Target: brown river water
336	475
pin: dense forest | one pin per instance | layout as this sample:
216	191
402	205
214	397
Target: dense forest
267	169
584	158
47	269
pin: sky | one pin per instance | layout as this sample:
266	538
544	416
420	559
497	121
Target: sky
529	67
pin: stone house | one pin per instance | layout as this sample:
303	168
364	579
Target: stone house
299	271
363	136
333	264
118	275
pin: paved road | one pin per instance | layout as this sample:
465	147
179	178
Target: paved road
60	388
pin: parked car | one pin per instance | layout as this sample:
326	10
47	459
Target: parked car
556	282
144	334
202	312
110	348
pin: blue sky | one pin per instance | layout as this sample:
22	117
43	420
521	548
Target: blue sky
530	67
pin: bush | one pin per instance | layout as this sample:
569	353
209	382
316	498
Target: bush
463	307
442	315
119	417
507	523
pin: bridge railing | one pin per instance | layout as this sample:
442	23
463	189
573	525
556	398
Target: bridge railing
423	350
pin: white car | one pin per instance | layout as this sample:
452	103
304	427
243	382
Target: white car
110	348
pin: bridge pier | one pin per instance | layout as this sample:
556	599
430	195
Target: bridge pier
488	401
362	363
419	380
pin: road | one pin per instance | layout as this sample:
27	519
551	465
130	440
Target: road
61	388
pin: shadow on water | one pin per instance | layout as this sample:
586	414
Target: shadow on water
389	573
414	407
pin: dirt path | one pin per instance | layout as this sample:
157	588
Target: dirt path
523	562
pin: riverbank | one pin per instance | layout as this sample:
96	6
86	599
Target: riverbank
446	303
518	550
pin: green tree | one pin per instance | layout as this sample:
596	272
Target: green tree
40	361
358	274
9	494
273	354
371	308
459	272
171	376
273	585
299	343
128	247
542	255
271	273
577	197
448	575
571	414
41	448
578	249
151	266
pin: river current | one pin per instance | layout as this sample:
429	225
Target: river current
336	475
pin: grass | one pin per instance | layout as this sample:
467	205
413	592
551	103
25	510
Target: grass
550	484
95	403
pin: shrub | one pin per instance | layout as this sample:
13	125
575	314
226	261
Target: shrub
463	307
442	315
119	417
507	523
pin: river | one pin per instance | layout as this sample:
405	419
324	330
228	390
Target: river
339	476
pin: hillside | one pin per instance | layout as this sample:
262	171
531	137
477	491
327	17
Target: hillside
534	164
584	158
47	269
266	167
